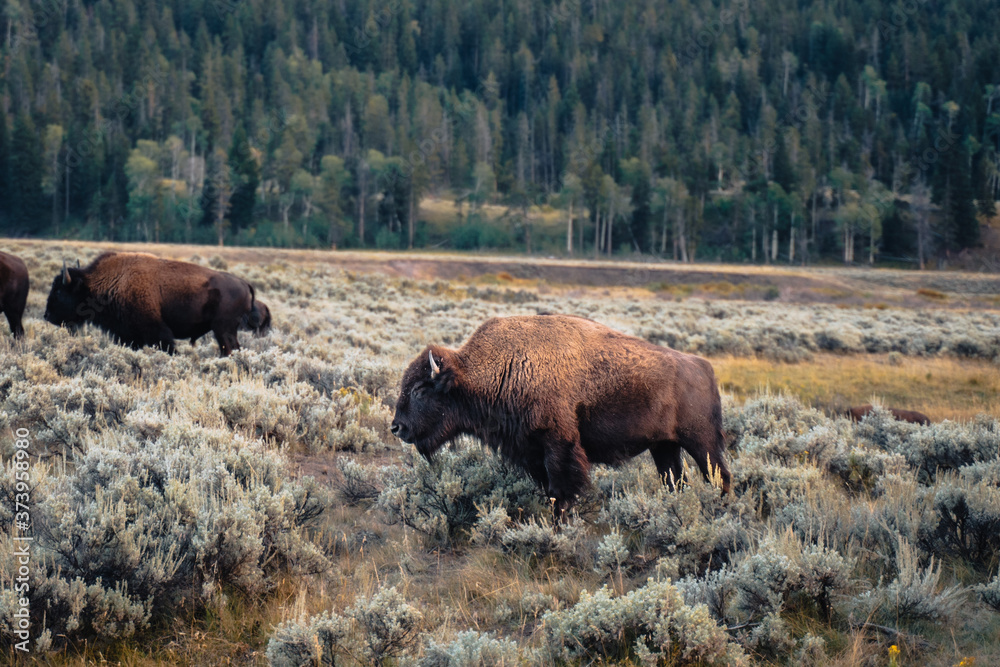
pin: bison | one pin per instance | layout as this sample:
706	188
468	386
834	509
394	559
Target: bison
258	320
555	394
858	413
13	291
141	300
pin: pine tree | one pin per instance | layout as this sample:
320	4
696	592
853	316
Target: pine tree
960	211
27	202
4	173
245	177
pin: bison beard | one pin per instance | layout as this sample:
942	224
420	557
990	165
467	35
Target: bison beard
556	394
143	300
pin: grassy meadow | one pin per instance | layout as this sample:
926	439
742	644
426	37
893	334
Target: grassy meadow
256	510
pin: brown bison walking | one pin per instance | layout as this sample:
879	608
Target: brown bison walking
555	394
13	291
141	299
858	413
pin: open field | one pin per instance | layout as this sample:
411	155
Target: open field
195	510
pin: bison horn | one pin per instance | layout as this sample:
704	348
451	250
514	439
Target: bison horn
434	367
66	278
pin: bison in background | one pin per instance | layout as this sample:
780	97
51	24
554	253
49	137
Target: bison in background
556	394
258	320
13	291
858	413
141	300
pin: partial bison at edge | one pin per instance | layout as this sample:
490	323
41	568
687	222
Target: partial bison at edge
555	394
141	300
13	291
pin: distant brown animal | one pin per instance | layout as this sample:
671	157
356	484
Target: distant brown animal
258	320
141	300
555	394
13	291
857	414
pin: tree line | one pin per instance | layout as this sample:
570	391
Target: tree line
741	131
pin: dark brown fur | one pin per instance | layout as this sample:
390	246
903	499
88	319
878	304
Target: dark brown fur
555	394
143	300
13	291
858	413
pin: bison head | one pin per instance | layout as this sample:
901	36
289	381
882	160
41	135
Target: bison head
260	319
70	302
427	410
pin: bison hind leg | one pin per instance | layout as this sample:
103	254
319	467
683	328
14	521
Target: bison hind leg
14	320
227	340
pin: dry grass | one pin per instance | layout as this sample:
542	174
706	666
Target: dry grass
941	388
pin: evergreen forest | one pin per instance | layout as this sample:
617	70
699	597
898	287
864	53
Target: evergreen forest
855	131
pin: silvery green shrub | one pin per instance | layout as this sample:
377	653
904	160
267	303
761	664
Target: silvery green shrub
373	629
387	625
316	641
915	594
535	539
612	554
359	482
968	521
491	525
811	651
772	485
860	468
930	449
989	593
440	499
134	528
651	621
769	414
693	524
474	649
771	638
781	572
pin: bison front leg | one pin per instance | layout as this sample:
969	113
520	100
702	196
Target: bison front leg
567	469
667	457
163	338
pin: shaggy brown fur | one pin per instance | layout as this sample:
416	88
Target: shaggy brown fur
144	300
555	394
857	414
13	291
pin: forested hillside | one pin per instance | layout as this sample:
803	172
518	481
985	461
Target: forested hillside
744	130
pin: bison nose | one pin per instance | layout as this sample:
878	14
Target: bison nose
394	428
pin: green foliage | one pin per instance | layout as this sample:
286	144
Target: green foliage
651	622
722	148
441	499
375	629
473	649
